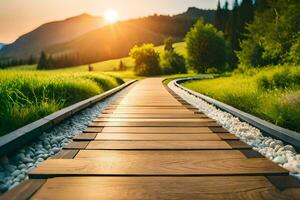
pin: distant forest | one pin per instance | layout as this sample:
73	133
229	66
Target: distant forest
116	40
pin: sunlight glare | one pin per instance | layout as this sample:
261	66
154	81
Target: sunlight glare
111	15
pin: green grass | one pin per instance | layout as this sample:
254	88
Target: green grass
26	96
109	65
271	93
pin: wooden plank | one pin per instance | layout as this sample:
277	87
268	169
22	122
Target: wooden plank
77	145
159	116
227	136
145	155
93	130
134	166
154	111
153	188
218	130
158	145
65	154
157	130
238	144
153	137
85	137
153	124
148	107
152	120
23	191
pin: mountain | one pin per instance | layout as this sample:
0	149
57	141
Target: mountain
196	13
1	45
49	34
114	41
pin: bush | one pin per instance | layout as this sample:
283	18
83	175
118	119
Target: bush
146	60
206	47
294	55
281	79
172	63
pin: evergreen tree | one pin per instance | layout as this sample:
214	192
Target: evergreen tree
245	15
218	17
169	44
43	61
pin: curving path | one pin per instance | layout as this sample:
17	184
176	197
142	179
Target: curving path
150	144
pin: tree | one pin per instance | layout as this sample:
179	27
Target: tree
172	63
206	47
122	66
146	60
169	44
218	17
271	35
43	61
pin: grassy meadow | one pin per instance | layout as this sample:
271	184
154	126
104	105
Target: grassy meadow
26	96
109	65
271	93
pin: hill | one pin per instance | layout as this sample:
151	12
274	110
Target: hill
1	45
49	34
114	41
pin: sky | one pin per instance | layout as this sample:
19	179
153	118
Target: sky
21	16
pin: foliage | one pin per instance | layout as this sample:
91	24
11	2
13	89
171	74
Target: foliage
294	54
206	47
233	22
271	93
26	96
146	60
273	36
172	63
169	44
122	66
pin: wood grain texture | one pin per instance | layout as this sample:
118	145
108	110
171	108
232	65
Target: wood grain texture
85	137
145	155
159	166
152	120
155	116
23	191
154	188
159	137
158	145
93	130
157	130
65	154
153	124
77	145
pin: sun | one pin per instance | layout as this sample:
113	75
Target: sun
111	15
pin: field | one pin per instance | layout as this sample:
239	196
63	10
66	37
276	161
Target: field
109	65
26	96
272	93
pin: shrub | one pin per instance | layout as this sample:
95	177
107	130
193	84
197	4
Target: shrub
294	55
146	60
206	47
172	63
280	79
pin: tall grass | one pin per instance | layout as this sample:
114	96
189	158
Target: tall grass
26	96
271	93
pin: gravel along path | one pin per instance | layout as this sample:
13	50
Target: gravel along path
273	149
14	168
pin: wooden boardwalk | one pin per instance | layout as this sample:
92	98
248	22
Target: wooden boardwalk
150	144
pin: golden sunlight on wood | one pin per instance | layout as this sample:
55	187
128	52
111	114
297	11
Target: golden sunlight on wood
111	15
